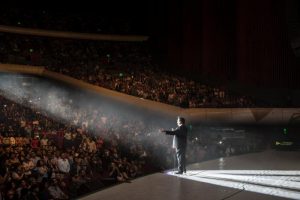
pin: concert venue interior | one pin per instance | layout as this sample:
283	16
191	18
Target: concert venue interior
87	94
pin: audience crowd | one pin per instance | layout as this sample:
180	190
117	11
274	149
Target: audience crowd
122	66
44	156
43	159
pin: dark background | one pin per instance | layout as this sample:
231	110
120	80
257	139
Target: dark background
246	42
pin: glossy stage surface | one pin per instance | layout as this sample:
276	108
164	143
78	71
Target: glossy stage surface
260	176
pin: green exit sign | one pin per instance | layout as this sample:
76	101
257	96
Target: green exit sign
285	131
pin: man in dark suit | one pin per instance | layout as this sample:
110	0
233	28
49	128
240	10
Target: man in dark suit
180	143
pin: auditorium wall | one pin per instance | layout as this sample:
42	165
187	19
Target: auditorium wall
232	41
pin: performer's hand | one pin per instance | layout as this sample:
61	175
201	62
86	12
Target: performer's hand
162	130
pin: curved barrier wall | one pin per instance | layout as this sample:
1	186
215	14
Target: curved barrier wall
251	116
72	35
22	69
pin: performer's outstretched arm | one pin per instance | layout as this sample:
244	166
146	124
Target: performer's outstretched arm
178	131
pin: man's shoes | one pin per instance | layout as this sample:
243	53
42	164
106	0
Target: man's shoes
178	172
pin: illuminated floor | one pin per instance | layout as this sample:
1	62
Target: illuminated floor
260	176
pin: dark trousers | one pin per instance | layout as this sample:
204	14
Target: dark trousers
180	153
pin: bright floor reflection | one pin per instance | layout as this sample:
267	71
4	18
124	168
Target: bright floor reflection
271	182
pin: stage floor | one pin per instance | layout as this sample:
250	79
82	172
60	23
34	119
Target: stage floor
260	176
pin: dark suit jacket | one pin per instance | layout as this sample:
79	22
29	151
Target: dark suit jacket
180	136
